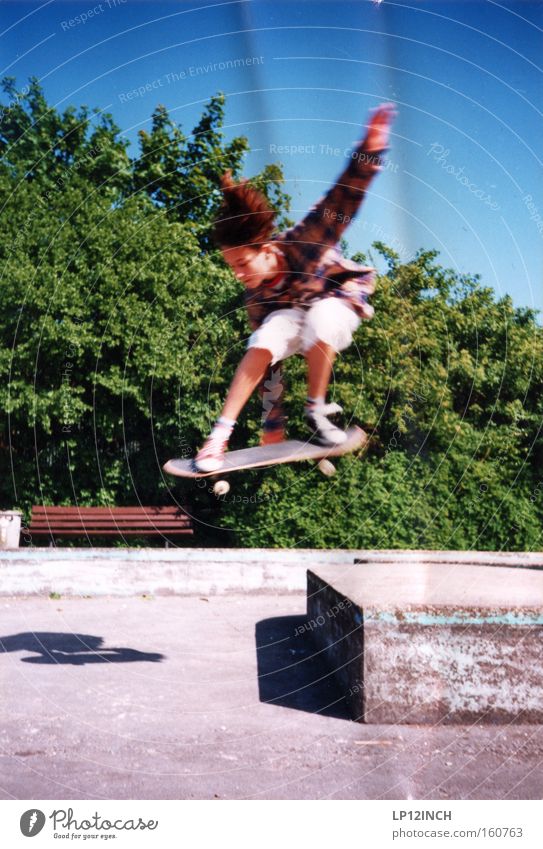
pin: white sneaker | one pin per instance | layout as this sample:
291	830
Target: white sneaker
210	457
324	431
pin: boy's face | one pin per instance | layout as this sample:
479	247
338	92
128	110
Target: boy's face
253	265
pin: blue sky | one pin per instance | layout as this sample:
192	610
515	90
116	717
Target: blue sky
465	169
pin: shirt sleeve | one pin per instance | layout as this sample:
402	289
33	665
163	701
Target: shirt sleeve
326	221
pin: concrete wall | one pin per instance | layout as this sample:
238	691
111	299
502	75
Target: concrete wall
439	642
159	571
187	571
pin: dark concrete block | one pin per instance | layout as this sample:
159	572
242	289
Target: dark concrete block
432	642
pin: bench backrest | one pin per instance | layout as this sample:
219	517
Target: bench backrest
72	521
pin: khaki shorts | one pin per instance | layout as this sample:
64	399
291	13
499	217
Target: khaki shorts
291	331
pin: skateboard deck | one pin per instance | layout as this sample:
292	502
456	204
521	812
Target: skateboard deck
291	451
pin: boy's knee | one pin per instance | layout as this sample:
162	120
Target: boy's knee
260	353
318	345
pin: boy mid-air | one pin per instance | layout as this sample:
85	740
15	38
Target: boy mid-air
301	294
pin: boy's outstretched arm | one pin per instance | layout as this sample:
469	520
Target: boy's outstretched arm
325	222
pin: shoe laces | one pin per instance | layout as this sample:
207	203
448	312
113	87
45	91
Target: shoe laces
216	441
325	409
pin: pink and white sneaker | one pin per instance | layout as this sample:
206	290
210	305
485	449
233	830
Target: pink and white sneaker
210	457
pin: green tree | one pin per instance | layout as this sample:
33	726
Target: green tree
121	327
112	316
448	383
182	174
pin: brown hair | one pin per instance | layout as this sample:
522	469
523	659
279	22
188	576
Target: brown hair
245	216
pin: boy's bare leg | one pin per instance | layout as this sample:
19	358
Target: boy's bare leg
249	373
320	359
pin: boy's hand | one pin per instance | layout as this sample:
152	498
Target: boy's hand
379	125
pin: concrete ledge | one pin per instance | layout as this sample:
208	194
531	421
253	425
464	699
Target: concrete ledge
158	571
413	642
519	560
202	571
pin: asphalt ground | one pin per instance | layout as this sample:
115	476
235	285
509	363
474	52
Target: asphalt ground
216	697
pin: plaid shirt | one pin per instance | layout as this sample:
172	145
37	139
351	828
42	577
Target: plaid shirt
316	268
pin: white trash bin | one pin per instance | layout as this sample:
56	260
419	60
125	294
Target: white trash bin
10	528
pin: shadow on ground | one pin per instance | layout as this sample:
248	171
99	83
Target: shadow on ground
74	649
291	672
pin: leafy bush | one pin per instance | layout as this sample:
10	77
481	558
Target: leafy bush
120	329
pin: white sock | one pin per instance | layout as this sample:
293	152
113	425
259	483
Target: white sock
224	422
313	402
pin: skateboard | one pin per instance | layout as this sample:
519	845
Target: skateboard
290	451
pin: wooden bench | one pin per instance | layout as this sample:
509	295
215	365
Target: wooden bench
109	521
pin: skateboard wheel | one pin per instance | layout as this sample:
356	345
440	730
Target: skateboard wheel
221	488
327	468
